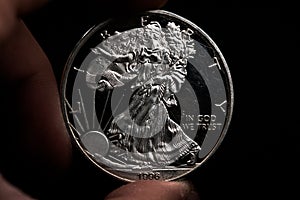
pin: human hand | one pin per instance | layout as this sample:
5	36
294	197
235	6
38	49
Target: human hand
41	146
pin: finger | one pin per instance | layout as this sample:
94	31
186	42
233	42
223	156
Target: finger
27	71
9	192
154	190
146	4
11	10
25	6
128	6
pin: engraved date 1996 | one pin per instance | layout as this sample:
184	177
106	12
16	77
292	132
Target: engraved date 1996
149	176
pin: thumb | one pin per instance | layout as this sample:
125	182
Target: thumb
9	192
154	190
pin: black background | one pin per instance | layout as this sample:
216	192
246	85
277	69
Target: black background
259	41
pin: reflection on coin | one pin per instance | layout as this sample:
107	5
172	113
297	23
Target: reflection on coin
148	97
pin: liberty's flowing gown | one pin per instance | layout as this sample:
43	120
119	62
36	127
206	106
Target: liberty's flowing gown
145	129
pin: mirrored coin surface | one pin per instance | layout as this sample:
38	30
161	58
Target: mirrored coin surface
147	97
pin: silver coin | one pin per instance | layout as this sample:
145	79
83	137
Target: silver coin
147	97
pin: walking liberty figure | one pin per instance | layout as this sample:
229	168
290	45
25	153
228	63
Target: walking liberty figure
153	59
